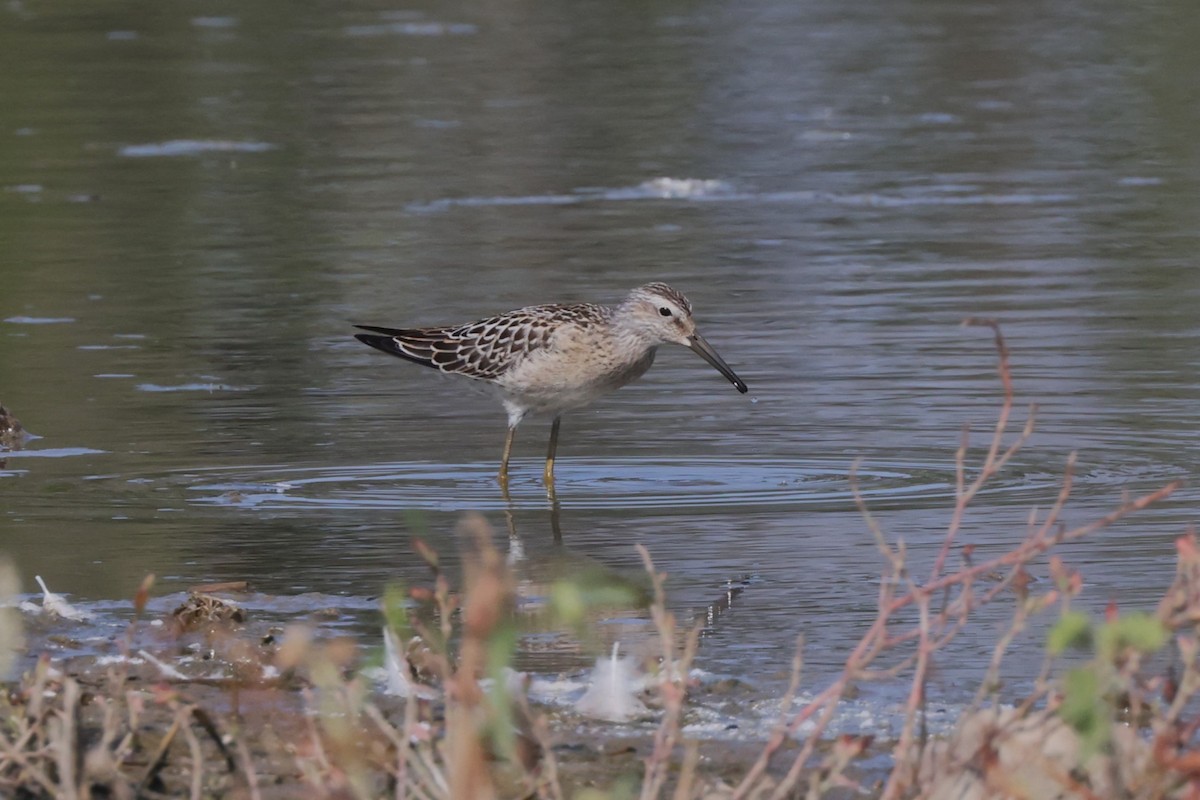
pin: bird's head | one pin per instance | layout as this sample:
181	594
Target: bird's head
661	314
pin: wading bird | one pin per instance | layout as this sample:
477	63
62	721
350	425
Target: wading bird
554	358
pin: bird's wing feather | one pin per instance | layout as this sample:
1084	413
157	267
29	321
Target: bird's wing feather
486	349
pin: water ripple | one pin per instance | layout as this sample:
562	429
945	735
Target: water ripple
660	483
704	190
192	147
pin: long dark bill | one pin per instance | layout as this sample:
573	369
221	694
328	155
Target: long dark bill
704	350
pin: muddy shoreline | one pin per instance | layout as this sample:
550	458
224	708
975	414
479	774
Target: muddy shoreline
208	689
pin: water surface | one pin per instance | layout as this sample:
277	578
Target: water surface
197	204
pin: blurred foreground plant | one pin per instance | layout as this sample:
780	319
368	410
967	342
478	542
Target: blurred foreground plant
918	616
62	739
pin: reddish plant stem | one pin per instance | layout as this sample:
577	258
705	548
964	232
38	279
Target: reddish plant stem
934	631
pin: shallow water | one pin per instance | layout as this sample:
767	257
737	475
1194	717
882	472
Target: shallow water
191	223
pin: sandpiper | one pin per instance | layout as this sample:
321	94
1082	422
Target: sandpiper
554	358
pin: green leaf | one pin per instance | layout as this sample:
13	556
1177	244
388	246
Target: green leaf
501	645
1084	710
567	603
395	611
1073	630
571	600
1138	631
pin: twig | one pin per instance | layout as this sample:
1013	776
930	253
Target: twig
248	769
991	678
672	686
160	755
899	777
994	460
32	769
959	598
789	781
779	732
206	722
197	760
685	788
314	734
167	670
550	761
402	746
66	748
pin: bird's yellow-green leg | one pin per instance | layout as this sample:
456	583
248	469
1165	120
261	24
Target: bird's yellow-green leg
508	440
550	453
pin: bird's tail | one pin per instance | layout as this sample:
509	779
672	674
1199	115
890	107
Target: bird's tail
409	344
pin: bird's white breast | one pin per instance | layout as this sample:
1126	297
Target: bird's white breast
579	365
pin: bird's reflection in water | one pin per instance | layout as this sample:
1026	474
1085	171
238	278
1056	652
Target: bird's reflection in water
539	569
510	509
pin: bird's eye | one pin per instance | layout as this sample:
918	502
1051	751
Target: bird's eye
666	312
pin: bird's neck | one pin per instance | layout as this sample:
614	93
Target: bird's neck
628	326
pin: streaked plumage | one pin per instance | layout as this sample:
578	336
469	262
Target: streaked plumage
553	358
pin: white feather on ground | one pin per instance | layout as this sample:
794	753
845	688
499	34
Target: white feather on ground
613	693
168	672
395	664
56	604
